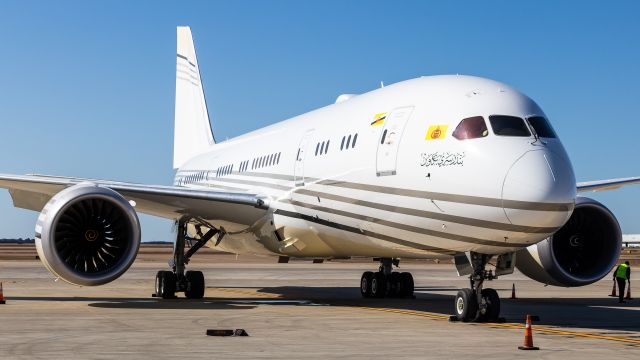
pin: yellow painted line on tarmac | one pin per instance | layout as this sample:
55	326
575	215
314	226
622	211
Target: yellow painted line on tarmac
545	330
512	326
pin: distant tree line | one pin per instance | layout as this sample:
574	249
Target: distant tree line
17	241
31	241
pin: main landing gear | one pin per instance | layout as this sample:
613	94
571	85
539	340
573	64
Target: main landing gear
477	304
177	280
385	282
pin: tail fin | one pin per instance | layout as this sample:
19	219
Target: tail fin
192	131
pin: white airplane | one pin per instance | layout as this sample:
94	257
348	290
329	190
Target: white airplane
454	166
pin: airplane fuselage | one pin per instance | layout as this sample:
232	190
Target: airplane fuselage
393	173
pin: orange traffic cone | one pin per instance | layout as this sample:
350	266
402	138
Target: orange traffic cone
513	291
613	292
628	297
1	295
528	337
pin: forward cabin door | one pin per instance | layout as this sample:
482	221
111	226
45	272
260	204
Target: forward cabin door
387	154
298	170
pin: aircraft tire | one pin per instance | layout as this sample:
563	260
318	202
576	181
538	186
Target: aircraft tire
466	305
493	304
407	284
365	284
165	285
378	285
195	285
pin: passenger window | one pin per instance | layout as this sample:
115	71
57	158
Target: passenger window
504	125
326	149
355	138
317	148
348	141
471	128
342	143
542	127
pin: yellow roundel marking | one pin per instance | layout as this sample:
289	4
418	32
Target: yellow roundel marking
91	235
436	132
378	119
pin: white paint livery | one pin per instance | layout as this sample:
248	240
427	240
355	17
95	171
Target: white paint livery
392	173
193	135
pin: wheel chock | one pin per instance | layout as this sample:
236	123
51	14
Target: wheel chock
226	332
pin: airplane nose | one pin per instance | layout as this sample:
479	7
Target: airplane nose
539	190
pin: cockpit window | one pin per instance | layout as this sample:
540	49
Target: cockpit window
504	125
542	127
471	128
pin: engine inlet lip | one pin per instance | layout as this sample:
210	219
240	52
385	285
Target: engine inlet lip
548	258
58	205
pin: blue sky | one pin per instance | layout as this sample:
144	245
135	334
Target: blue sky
87	87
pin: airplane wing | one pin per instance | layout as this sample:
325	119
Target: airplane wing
610	184
34	191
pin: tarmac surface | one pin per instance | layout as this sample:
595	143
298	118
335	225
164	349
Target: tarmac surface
300	310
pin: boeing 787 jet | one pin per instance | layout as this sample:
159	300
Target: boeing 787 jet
456	166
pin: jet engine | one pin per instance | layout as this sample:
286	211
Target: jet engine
582	252
87	235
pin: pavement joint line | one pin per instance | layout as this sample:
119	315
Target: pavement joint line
445	317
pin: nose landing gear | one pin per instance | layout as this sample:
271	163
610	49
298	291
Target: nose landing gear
477	304
385	282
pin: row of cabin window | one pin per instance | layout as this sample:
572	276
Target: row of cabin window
225	170
244	165
266	160
194	177
322	148
347	142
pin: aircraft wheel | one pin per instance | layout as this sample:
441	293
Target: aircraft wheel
407	284
378	285
395	285
365	284
492	301
466	305
165	285
195	285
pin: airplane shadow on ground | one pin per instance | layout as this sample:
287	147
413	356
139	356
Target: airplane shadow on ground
592	313
146	303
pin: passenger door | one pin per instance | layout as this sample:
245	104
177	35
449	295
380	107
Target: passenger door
387	154
298	170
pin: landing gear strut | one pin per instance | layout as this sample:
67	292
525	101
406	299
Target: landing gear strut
477	304
177	280
385	282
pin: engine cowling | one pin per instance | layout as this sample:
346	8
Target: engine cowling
87	235
582	252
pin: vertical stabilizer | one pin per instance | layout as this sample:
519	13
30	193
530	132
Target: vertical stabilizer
192	130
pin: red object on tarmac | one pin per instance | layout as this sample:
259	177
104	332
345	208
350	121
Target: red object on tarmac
528	337
1	295
613	292
628	297
513	291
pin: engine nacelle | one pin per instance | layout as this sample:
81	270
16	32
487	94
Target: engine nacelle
87	235
582	252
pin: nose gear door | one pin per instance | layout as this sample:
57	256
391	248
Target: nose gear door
387	154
